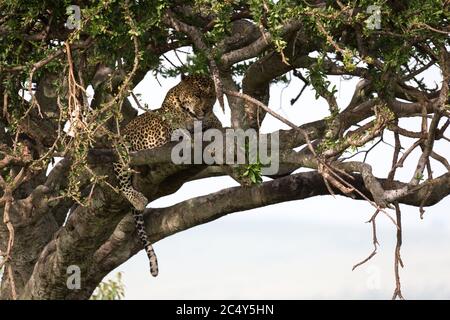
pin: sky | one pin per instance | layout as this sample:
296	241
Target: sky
299	249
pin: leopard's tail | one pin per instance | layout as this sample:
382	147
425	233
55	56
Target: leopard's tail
139	220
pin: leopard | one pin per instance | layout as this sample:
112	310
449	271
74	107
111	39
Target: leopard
192	99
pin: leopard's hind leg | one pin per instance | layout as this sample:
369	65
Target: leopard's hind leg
124	175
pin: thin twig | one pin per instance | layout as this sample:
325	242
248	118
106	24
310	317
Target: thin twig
324	168
374	241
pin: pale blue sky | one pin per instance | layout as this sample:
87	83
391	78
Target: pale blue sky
300	249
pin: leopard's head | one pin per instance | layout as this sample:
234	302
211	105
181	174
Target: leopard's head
195	94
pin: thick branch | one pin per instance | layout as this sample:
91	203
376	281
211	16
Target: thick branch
255	48
163	222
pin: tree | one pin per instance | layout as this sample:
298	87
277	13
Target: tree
112	289
52	51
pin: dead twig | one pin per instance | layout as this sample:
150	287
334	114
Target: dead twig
374	241
398	259
328	172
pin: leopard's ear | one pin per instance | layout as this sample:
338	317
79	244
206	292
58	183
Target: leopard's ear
183	76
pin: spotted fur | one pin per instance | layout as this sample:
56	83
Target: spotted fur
192	99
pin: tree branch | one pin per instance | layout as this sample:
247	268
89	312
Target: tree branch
163	222
255	48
